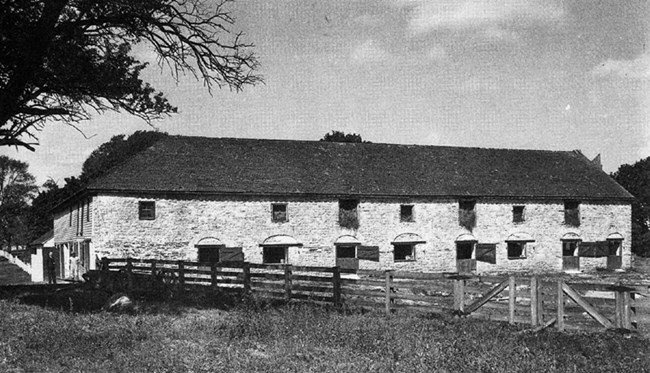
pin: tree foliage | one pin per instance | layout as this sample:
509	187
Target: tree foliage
338	136
115	151
636	179
62	60
17	188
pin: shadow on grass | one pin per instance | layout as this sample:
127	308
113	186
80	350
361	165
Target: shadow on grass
84	299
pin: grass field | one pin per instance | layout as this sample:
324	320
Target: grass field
160	337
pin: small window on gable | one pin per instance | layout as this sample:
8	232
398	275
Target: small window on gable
518	214
147	210
348	217
517	250
404	252
572	213
279	212
466	214
406	213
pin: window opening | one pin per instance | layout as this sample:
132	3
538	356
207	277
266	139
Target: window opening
274	254
279	212
517	214
147	210
406	213
404	252
572	213
348	216
467	214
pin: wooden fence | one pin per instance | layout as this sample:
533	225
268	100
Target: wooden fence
540	302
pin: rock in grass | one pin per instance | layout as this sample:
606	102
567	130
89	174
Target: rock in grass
119	302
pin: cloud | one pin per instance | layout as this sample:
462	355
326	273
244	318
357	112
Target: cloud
432	15
369	52
638	68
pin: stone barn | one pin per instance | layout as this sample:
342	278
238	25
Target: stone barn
356	205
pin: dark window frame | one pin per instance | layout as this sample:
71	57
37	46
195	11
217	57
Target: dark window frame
345	248
146	210
407	213
88	210
399	248
467	213
266	255
517	246
572	213
518	213
277	215
566	247
349	213
471	249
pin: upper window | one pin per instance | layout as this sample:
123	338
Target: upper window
279	212
348	217
147	210
466	214
88	210
518	214
404	252
70	217
406	213
572	213
516	250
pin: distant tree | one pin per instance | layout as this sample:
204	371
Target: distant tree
17	188
62	60
338	136
40	216
636	179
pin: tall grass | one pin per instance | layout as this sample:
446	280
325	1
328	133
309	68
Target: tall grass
294	338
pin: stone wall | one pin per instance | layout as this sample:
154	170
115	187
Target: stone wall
180	223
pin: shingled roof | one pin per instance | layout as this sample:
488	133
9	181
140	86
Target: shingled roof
179	164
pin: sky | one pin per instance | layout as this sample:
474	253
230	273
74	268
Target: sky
534	74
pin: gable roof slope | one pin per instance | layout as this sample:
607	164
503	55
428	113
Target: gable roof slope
180	164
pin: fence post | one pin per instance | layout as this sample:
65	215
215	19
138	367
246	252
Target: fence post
336	286
213	275
618	297
247	277
627	322
560	305
512	289
181	277
459	295
153	271
104	264
287	282
129	274
534	301
389	287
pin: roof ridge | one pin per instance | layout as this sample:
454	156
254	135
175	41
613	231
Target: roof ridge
366	143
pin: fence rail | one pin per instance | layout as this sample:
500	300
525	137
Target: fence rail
538	301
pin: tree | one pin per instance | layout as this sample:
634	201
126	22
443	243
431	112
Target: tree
16	191
636	179
61	60
115	151
338	136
